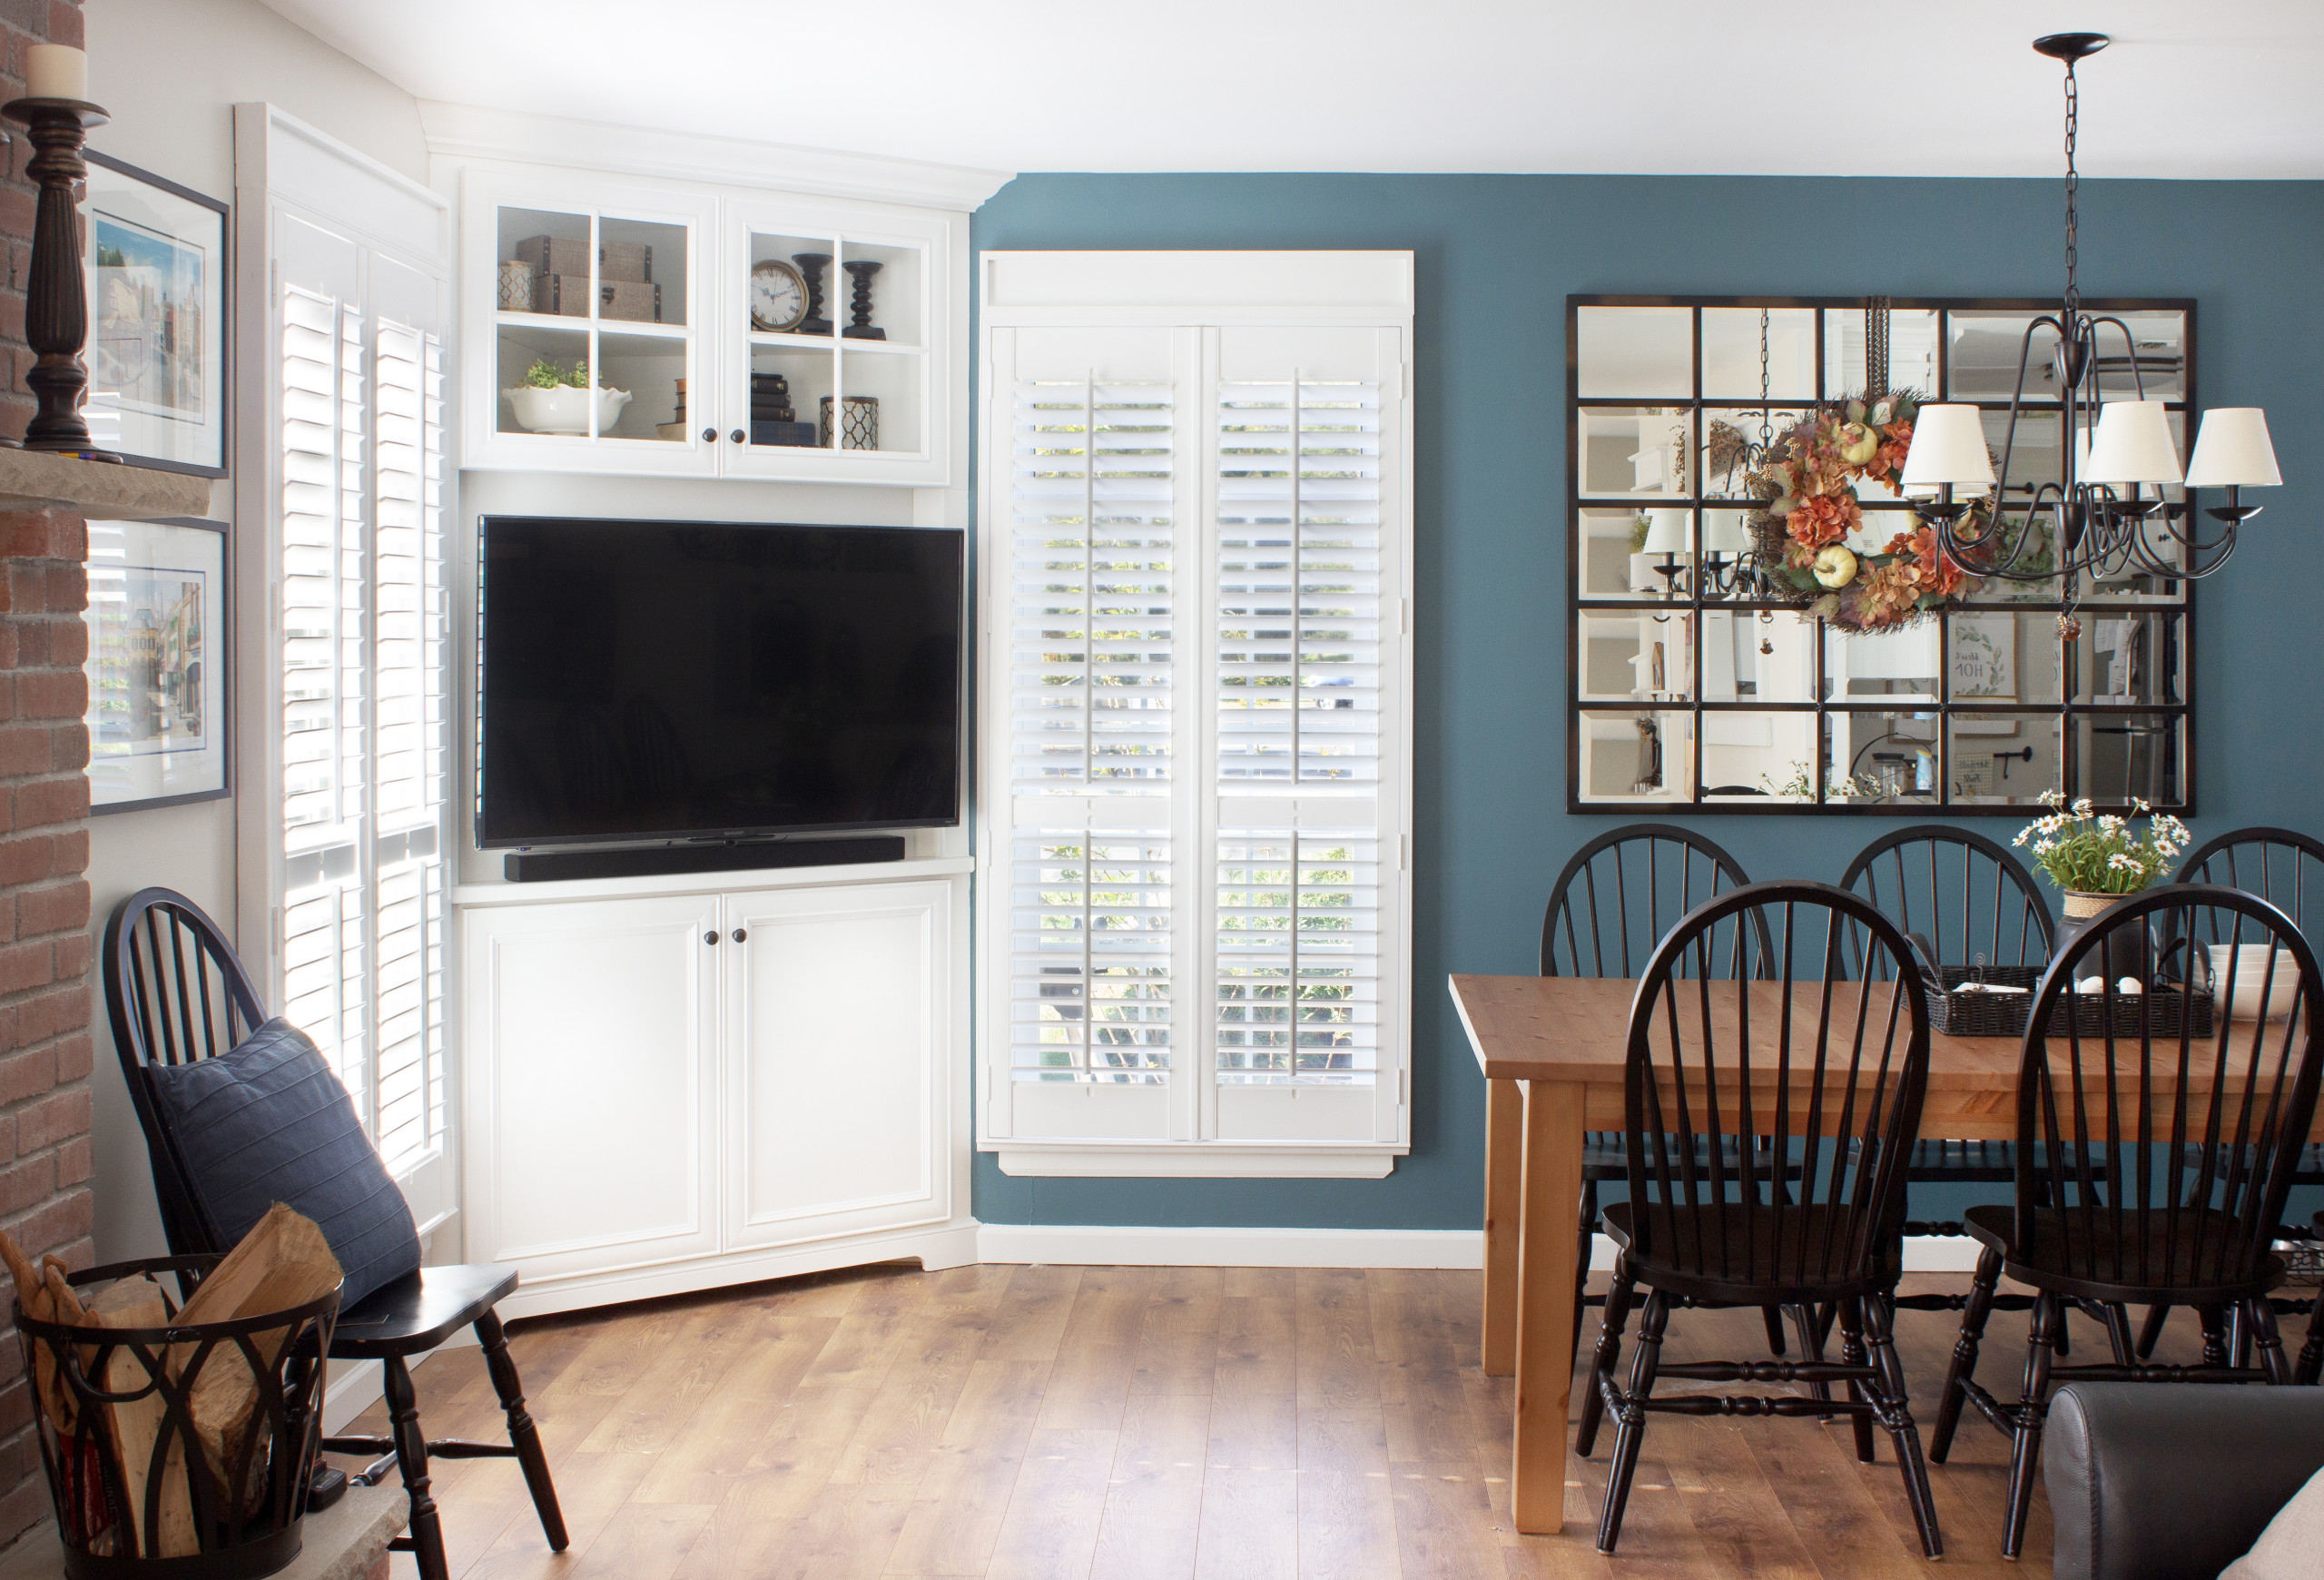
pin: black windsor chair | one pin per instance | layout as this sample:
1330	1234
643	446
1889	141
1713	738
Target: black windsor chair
1711	1222
2280	866
177	992
1973	904
1626	887
2186	1211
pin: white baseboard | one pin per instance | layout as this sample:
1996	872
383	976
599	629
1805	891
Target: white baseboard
1140	1246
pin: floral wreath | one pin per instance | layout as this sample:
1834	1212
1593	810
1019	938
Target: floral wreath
1801	535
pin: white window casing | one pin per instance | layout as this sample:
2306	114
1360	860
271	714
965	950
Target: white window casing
1196	556
342	481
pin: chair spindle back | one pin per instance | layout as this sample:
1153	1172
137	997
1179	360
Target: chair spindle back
2151	1156
1749	1023
176	993
1970	898
1622	890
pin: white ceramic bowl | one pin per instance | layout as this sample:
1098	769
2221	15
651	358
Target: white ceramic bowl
2252	978
565	409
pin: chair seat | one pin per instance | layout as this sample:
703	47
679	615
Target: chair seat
418	1311
2090	1260
1759	1271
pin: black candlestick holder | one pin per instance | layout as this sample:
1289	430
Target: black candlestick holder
57	302
812	266
860	270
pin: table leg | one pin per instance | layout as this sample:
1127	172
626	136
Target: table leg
1549	1238
1504	1180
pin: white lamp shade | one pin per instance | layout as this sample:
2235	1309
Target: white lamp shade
2132	445
1948	447
2232	450
1723	533
1667	533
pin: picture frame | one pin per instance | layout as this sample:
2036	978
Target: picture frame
1985	656
156	270
160	733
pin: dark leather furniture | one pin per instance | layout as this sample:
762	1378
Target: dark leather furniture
2172	1482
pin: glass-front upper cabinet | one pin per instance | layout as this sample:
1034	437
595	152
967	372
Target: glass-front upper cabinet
593	293
685	331
831	370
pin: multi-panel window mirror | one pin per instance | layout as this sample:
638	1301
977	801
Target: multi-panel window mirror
1693	684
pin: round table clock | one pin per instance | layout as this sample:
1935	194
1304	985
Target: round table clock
778	296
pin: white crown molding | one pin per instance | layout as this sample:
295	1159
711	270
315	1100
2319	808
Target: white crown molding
1140	1246
473	131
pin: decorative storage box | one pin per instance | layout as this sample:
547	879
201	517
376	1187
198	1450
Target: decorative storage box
568	297
629	262
1974	1014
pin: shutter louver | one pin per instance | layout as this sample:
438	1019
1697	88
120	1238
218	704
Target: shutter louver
1090	705
1297	923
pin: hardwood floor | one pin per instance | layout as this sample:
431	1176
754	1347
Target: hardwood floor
1039	1422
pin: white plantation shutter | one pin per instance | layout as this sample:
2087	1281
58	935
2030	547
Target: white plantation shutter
325	403
1093	721
1300	731
1198	798
350	849
1090	728
409	681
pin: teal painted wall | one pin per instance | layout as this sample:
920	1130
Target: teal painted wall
1496	257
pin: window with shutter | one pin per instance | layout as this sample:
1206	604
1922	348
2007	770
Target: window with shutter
1194	895
350	853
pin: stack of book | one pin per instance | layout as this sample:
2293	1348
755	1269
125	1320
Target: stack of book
772	417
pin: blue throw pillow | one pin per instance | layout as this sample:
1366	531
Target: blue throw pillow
267	1121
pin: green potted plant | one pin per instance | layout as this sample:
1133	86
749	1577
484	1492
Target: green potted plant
2098	860
553	399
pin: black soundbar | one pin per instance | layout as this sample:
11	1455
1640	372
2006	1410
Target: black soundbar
528	866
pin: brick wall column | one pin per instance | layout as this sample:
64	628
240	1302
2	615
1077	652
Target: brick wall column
45	977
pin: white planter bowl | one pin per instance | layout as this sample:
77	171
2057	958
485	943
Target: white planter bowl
2250	962
565	409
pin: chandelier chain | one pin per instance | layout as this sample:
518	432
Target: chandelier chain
2073	190
1767	430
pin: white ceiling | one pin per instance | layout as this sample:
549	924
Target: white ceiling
2223	88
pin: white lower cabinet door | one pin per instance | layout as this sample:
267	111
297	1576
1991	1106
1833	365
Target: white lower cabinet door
837	1060
592	1041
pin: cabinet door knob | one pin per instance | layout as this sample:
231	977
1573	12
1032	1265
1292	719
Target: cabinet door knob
736	436
710	435
711	938
741	936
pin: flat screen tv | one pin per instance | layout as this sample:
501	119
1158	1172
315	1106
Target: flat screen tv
655	681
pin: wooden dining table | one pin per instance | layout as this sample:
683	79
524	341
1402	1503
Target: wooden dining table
1552	1050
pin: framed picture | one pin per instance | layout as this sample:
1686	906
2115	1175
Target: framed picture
156	268
157	664
1985	657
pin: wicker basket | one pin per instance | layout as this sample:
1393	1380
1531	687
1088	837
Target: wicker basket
1974	1014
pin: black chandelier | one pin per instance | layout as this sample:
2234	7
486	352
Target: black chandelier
2106	514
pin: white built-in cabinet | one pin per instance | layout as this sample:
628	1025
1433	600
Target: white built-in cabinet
690	324
671	1088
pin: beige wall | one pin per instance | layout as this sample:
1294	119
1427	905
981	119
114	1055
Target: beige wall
171	70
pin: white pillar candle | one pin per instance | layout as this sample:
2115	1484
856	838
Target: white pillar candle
57	71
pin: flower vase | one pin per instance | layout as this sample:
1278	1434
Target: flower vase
2123	953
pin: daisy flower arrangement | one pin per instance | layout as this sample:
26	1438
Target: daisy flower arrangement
2092	853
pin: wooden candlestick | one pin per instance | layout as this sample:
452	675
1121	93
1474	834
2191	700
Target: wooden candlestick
56	304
